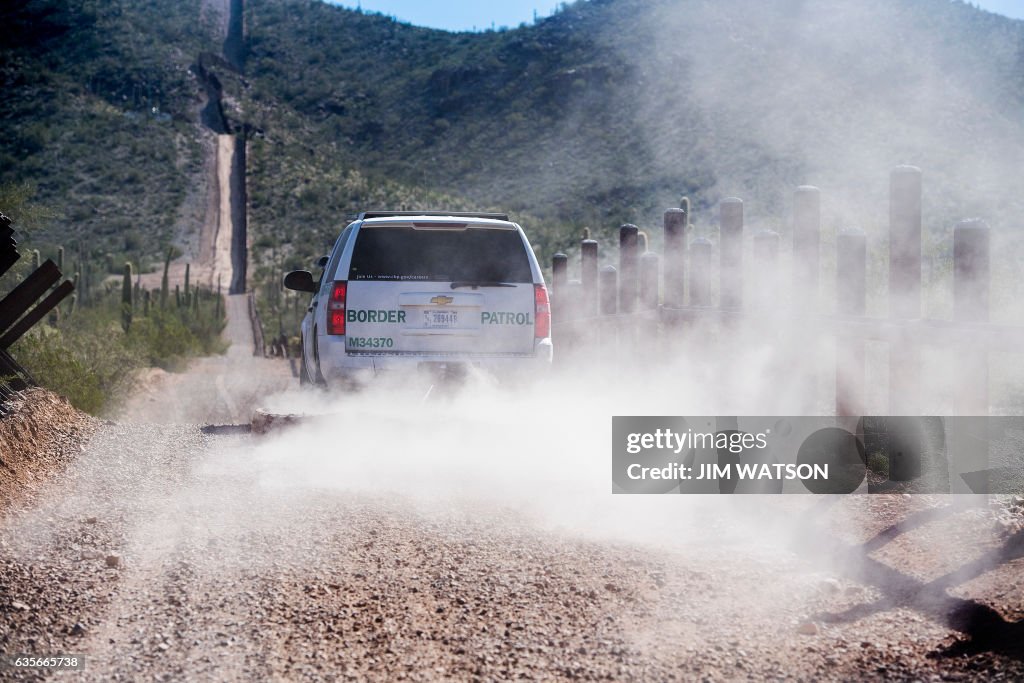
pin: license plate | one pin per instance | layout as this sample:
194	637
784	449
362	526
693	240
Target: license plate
440	319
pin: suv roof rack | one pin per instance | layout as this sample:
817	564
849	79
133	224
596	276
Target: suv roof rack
455	214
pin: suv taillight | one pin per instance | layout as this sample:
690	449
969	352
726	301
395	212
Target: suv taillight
336	308
542	312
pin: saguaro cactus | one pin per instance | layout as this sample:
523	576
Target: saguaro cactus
79	272
165	282
127	298
86	281
188	269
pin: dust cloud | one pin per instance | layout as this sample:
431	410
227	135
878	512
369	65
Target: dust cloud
834	94
540	450
766	98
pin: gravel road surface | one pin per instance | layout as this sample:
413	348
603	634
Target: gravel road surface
177	547
166	553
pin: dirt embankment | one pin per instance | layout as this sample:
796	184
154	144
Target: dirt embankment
40	434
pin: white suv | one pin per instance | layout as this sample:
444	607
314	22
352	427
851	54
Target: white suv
413	290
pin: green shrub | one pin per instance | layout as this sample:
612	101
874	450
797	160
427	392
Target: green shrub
81	365
90	357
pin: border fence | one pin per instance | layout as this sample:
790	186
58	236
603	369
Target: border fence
653	297
19	310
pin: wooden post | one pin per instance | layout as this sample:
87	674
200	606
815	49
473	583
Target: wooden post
676	221
766	259
969	443
806	247
609	290
629	262
806	274
851	300
588	276
971	277
650	269
730	274
559	300
700	272
904	286
559	272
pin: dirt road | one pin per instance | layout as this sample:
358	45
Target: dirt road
173	551
215	390
170	553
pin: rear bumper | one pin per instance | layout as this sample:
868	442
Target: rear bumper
340	366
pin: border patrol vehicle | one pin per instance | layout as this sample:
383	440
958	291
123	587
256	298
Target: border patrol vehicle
432	291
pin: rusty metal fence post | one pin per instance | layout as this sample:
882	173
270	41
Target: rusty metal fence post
20	308
971	278
650	270
766	262
676	221
559	286
806	246
609	290
806	274
851	300
629	284
971	282
609	293
904	286
730	249
559	295
588	276
648	332
629	261
559	273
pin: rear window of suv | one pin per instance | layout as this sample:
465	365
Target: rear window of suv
472	255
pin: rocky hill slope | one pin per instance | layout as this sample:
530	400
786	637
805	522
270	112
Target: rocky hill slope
608	111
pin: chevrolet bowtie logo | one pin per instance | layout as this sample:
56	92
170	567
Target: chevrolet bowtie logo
442	300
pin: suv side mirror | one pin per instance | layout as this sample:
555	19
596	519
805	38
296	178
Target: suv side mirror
322	261
300	281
